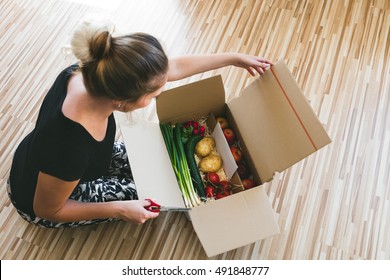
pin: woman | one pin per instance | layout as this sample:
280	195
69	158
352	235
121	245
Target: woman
69	171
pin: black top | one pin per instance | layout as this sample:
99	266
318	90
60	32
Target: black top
59	147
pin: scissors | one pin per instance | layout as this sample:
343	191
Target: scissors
154	207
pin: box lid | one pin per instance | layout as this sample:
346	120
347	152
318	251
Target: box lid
234	221
190	101
149	161
278	124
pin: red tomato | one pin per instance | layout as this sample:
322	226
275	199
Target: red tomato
248	183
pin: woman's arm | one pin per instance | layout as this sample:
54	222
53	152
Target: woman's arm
186	66
51	202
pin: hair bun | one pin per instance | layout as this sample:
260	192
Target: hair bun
92	39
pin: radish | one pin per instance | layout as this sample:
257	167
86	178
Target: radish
213	178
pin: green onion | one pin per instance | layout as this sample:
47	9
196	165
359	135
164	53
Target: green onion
173	141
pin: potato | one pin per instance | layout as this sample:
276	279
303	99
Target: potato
211	163
205	146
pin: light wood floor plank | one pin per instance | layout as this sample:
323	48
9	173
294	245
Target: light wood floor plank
334	204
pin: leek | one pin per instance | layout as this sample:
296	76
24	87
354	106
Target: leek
173	141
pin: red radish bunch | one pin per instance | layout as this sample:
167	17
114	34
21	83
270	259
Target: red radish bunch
195	128
215	187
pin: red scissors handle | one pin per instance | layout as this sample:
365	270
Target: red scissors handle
153	207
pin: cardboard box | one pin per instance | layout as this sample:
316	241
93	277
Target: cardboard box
277	128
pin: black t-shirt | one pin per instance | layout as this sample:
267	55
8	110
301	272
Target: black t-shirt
59	147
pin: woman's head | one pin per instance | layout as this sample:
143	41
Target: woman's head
123	68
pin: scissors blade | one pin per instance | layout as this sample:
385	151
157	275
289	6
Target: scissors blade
180	209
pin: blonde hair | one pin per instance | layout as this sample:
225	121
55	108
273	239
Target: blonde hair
122	68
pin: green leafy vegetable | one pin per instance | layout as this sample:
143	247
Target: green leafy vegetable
173	140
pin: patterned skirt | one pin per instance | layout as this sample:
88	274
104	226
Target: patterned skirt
117	184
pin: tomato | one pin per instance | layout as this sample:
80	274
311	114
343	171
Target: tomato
248	183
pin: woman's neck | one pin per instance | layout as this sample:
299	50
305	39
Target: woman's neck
82	106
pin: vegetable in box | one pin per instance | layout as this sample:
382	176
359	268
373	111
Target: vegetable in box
197	163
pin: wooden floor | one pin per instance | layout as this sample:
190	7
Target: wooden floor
333	205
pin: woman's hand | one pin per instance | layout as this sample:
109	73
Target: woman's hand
252	64
134	211
53	203
186	66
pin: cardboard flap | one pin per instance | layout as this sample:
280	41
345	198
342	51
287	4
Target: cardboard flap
191	100
234	221
276	121
228	162
150	164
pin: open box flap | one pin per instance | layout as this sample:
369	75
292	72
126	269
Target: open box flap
228	162
150	164
234	221
278	124
191	100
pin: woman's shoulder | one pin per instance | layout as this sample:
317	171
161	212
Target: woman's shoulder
71	69
65	74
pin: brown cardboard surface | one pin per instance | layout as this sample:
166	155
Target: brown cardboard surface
234	221
278	128
191	101
309	121
276	122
